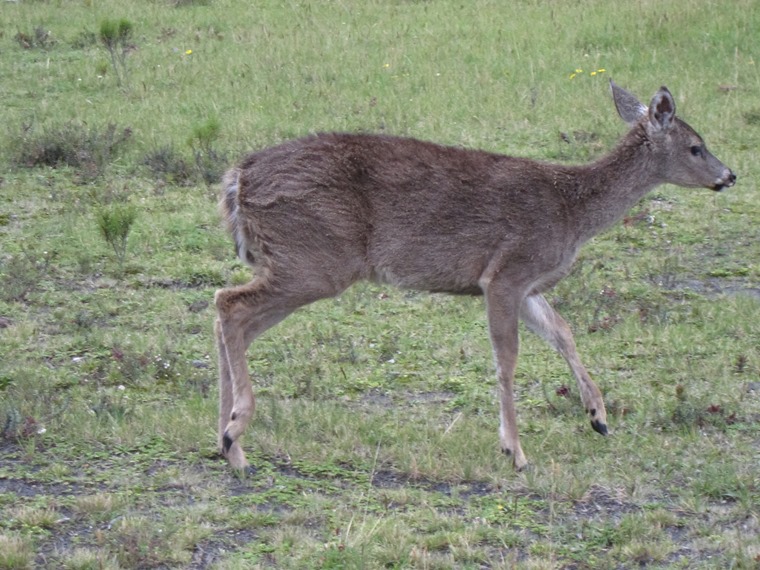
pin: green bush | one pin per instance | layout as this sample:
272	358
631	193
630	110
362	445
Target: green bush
115	35
115	222
209	162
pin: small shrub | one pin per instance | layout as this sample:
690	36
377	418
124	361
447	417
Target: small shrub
40	38
167	164
17	427
5	381
88	149
209	162
206	134
115	35
211	166
11	420
115	222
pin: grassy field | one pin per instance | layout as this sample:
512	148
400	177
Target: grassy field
375	438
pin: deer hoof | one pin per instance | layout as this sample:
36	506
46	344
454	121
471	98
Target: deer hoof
599	427
519	462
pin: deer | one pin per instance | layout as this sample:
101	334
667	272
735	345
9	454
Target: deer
315	215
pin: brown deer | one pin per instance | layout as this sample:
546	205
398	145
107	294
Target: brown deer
312	216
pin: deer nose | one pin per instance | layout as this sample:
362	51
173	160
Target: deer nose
731	178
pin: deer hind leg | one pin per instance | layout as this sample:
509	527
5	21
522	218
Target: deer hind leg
234	452
244	313
543	320
503	319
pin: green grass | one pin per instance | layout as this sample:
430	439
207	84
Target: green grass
375	433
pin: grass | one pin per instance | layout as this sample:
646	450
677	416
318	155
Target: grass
375	434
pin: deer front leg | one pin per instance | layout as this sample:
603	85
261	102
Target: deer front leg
543	320
502	323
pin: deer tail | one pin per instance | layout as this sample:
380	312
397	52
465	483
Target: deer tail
229	209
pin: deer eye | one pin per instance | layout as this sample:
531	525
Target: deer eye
696	150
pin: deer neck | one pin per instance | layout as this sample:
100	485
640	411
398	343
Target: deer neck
607	188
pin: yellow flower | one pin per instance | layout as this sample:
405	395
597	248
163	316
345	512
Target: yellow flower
189	52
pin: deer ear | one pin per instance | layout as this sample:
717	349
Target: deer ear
662	109
628	107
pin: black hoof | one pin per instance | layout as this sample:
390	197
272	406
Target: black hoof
226	443
599	427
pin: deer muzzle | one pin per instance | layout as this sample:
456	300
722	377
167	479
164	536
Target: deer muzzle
726	181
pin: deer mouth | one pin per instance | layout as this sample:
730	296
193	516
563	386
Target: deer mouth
721	184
